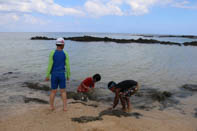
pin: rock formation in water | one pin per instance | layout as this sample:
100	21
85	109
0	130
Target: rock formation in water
123	41
190	87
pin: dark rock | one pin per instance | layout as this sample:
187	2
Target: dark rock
181	36
37	86
163	36
81	96
21	99
146	96
72	95
147	35
85	119
144	107
36	100
195	114
119	113
76	96
106	39
190	87
140	40
92	105
193	43
183	93
168	103
161	96
42	38
91	95
8	73
136	115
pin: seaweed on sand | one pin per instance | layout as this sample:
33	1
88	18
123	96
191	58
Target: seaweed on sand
117	113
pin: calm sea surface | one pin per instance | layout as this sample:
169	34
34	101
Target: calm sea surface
157	66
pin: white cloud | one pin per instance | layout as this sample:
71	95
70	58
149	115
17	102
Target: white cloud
15	17
28	19
12	18
8	18
185	4
139	7
97	8
42	6
116	7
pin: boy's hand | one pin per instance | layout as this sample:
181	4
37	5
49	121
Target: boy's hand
91	90
46	79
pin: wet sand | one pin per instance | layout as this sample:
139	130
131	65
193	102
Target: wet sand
41	118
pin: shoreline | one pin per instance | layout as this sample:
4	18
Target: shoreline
41	118
153	110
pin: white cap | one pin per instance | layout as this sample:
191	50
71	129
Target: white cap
60	41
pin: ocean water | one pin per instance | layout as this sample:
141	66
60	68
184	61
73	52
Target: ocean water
159	66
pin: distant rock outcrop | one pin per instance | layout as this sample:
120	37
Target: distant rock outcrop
193	43
190	87
42	38
164	36
122	41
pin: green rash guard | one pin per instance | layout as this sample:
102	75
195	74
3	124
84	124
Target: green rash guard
50	65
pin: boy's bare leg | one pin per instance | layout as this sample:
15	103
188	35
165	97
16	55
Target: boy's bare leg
64	99
123	102
128	104
52	98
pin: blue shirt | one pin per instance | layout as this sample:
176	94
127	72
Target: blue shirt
59	58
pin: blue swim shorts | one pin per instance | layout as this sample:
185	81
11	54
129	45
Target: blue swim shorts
58	79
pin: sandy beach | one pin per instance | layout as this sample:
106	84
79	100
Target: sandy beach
42	119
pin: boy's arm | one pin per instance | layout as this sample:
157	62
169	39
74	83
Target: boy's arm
50	65
67	66
84	86
116	99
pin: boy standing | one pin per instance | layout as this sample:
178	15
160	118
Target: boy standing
123	91
58	65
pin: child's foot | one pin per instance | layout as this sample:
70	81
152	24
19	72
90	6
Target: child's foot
65	109
124	109
129	110
52	108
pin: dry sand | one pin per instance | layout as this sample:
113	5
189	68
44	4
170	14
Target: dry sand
42	119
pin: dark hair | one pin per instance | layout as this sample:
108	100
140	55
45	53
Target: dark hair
97	77
111	84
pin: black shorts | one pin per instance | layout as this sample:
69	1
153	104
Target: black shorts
128	92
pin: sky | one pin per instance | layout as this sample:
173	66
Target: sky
113	16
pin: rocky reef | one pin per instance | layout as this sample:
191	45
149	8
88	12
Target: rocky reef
120	41
143	99
190	87
36	86
36	100
195	114
42	38
107	39
193	43
146	98
117	113
164	36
